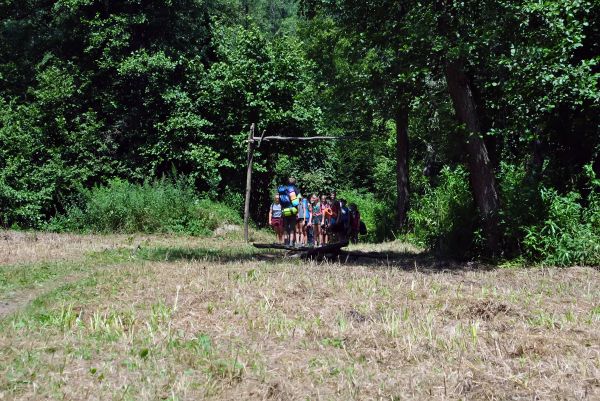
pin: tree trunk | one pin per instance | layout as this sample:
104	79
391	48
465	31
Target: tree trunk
480	169
402	183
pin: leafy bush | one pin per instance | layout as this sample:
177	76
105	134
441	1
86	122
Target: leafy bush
233	199
444	218
160	206
378	218
521	205
570	235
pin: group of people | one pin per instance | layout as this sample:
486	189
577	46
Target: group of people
314	220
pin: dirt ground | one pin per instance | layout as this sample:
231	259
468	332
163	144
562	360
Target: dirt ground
162	317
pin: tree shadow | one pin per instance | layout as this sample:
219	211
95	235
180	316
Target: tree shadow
171	254
406	261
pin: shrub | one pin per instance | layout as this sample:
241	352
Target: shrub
570	235
233	199
444	218
378	218
521	205
159	206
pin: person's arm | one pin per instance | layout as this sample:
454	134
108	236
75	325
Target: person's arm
271	215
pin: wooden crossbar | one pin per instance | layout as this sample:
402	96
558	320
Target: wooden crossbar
300	138
255	141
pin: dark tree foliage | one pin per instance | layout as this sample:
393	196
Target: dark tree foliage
476	121
136	89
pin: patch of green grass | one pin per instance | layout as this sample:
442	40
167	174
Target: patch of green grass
58	320
333	342
544	319
208	254
17	277
24	276
595	313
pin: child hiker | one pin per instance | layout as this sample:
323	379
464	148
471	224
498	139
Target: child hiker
343	222
276	218
317	215
289	199
303	221
354	223
326	220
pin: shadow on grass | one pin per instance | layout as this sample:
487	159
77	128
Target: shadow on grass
424	262
170	254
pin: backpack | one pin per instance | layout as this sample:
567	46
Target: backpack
285	200
292	192
345	216
290	211
284	197
363	228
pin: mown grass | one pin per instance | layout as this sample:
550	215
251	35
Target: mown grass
33	259
218	322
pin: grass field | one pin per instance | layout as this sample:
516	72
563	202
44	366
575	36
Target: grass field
159	317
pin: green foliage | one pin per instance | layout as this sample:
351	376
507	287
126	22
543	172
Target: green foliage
444	219
152	207
377	216
521	205
139	90
570	235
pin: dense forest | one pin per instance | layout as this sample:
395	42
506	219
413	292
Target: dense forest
476	124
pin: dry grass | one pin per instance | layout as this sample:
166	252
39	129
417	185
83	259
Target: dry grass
395	246
31	247
194	327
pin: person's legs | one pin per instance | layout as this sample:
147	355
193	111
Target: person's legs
304	233
317	234
294	234
290	229
353	237
300	231
343	233
279	231
333	235
274	226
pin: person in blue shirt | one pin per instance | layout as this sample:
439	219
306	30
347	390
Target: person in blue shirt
304	226
303	220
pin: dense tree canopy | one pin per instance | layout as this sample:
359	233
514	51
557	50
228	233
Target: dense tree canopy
469	114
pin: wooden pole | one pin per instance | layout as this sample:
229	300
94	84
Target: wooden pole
248	181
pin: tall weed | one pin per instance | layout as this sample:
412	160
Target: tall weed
444	218
378	218
570	235
152	207
521	205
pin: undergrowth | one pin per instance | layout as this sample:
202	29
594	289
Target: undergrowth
152	207
570	235
444	219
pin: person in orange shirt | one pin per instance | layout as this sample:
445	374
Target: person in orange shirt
326	222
